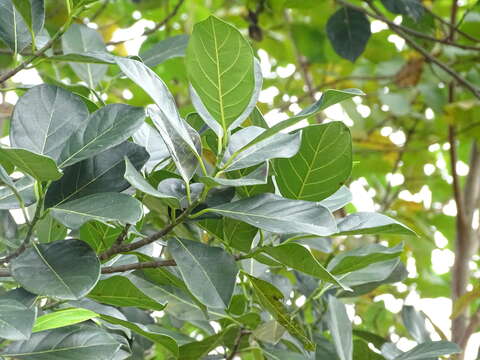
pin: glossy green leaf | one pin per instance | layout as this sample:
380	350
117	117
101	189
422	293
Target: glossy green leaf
320	167
371	223
237	234
256	177
107	127
42	168
32	12
44	119
78	342
16	320
221	69
120	291
209	272
102	207
300	258
412	8
164	50
414	321
270	298
61	318
430	349
13	29
80	38
100	174
48	230
340	328
276	214
348	31
66	269
98	235
150	139
277	146
24	187
338	199
361	257
199	349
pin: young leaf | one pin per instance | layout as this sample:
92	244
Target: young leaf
45	118
273	213
66	269
371	223
300	258
16	319
61	318
77	342
348	31
208	271
102	207
151	140
270	298
340	328
107	127
320	167
80	38
42	168
363	256
48	230
220	68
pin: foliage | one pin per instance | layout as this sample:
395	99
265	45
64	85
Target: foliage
192	223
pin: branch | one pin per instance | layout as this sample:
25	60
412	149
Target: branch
156	27
472	326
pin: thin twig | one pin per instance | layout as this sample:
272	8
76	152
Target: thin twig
156	27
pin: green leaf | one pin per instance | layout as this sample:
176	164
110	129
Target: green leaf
209	272
371	223
337	200
24	187
102	173
270	298
77	342
150	139
320	167
16	319
120	291
42	168
340	328
13	29
361	257
163	339
300	258
45	118
414	321
61	318
430	349
236	234
329	97
348	31
107	127
66	269
220	67
32	12
80	38
48	229
164	50
412	8
273	213
199	349
98	235
361	351
102	207
276	146
270	332
256	177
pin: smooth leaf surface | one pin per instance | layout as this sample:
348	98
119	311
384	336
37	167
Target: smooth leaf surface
102	207
164	50
338	199
42	168
348	31
73	343
61	318
24	187
273	213
414	321
16	320
428	350
371	223
149	138
44	119
256	177
107	127
220	67
412	8
32	12
66	269
209	272
340	328
320	167
13	29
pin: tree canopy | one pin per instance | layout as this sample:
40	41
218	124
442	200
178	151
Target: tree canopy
239	179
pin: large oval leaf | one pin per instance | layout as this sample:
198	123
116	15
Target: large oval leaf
42	168
320	167
66	269
208	271
220	68
78	342
45	118
16	320
13	29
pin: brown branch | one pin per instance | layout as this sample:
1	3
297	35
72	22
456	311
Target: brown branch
472	326
236	344
156	27
137	266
